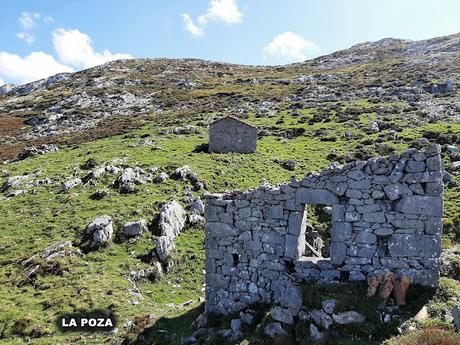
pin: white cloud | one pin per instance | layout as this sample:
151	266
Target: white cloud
48	20
218	10
36	65
222	10
26	37
28	19
75	48
191	27
289	47
2	82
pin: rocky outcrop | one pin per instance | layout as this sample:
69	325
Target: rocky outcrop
171	222
37	150
135	228
172	219
100	231
70	184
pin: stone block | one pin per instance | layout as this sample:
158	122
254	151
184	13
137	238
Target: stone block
315	196
418	204
274	212
407	245
338	252
393	191
415	166
374	217
366	237
216	229
434	163
433	225
294	246
341	231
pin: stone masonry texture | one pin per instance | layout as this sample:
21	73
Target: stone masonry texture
386	215
229	134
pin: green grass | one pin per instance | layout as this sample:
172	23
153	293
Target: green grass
31	222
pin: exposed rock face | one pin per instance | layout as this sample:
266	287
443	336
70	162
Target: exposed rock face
54	251
171	222
100	230
13	182
349	317
164	247
135	228
37	150
274	329
386	215
72	183
172	219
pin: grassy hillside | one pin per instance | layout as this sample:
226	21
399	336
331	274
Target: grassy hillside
314	122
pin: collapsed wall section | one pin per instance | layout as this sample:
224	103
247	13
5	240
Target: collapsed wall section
386	215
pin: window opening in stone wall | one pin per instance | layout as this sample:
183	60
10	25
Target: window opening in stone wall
236	259
382	246
318	231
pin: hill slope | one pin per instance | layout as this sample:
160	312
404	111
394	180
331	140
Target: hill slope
372	99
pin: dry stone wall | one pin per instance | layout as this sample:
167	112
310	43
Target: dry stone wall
386	215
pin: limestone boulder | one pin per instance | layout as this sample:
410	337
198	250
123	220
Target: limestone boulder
349	317
164	246
172	219
100	230
135	228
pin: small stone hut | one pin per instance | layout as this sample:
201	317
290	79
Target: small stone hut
386	215
230	134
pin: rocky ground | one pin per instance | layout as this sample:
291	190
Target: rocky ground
104	171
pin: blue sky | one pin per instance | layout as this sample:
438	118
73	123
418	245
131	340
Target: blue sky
39	38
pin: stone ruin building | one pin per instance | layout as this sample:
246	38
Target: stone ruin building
230	134
386	215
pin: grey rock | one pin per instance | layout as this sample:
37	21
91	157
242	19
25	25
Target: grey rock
135	228
366	237
289	164
235	324
172	219
415	167
191	340
377	194
274	329
162	177
70	184
215	229
341	231
315	334
404	245
356	174
393	191
338	252
321	318
329	305
13	182
101	230
284	315
315	196
164	247
349	317
247	318
327	210
417	204
456	316
197	207
37	150
195	219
